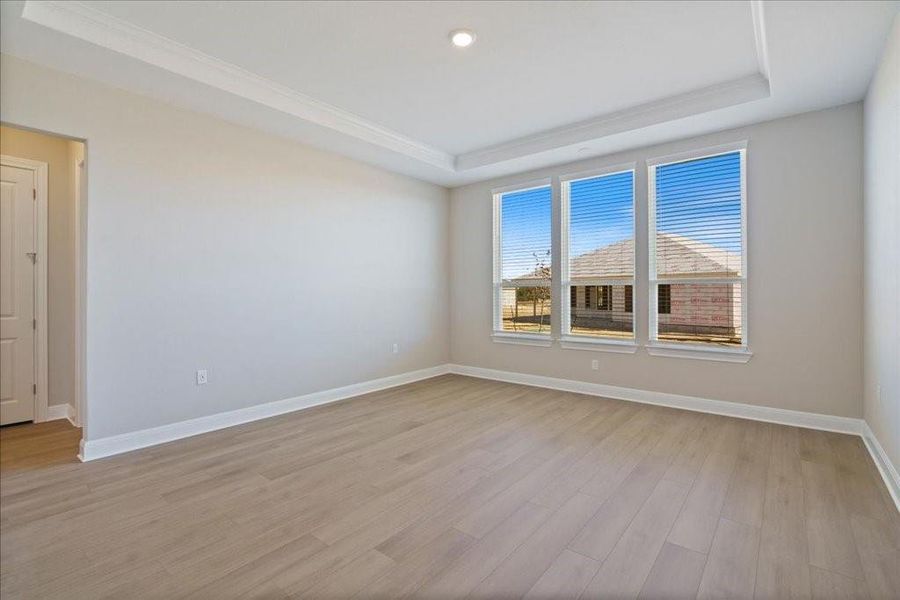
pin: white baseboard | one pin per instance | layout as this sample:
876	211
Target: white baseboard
61	411
885	466
126	442
717	407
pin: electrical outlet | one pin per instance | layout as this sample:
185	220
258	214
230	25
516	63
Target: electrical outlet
202	377
595	365
395	348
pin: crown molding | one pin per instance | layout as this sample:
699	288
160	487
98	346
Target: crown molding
757	11
104	30
721	95
107	31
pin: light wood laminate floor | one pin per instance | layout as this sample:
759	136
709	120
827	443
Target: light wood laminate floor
457	486
30	446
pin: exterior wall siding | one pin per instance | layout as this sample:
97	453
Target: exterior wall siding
616	315
695	308
702	308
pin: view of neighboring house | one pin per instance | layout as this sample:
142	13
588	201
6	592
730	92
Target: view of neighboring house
601	303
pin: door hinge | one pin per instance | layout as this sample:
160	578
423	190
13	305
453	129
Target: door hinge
34	388
33	193
34	323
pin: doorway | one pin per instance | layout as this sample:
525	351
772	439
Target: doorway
40	286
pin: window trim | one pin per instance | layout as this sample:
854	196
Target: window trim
568	339
524	338
655	346
604	344
737	354
498	334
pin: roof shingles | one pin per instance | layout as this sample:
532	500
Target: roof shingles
677	256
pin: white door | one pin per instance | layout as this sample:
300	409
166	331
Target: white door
17	245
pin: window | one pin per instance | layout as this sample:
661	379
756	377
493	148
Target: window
663	299
604	297
522	262
696	279
598	253
697	253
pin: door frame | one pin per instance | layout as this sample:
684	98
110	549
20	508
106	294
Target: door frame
40	171
80	187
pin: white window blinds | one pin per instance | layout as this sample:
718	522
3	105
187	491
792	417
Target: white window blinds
522	257
598	222
697	250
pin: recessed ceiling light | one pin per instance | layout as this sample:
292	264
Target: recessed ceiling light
462	38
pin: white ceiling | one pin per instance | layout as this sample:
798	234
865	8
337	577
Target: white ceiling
534	66
545	82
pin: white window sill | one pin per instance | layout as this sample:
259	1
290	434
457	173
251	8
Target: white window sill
733	355
524	339
597	344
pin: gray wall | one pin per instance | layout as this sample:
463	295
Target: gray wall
281	269
805	288
882	250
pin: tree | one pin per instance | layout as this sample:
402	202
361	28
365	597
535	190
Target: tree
540	295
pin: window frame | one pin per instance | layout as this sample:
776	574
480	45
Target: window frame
574	341
655	346
498	333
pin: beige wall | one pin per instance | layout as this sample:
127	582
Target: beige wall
882	250
56	152
805	291
281	269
